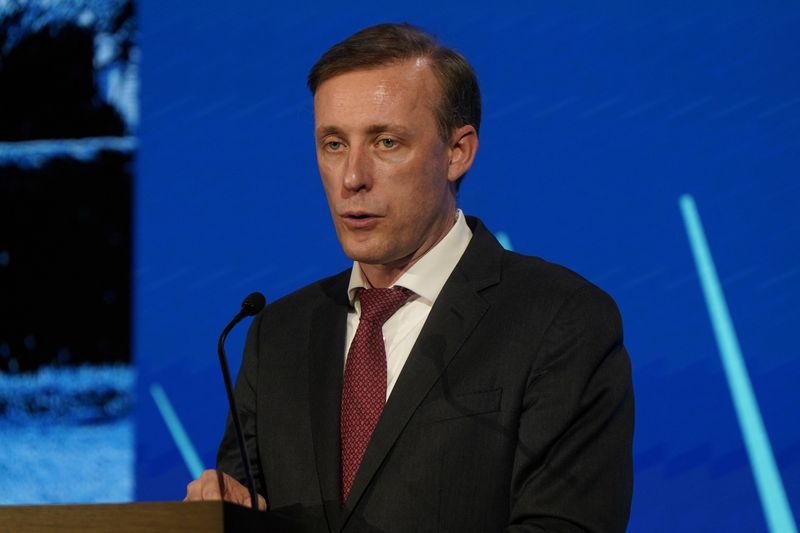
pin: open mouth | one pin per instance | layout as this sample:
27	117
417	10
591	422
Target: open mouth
359	215
360	221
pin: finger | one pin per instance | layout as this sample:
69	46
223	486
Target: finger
193	491
209	486
262	503
232	490
210	491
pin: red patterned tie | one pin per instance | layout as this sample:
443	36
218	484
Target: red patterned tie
364	387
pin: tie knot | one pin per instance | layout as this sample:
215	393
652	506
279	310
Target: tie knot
377	305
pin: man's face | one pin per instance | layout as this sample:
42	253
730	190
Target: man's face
385	169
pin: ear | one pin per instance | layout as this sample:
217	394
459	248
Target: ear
462	149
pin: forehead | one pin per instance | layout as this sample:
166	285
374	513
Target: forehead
405	90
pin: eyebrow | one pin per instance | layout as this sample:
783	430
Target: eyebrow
326	130
372	130
378	128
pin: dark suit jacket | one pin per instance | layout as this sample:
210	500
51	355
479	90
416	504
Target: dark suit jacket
514	411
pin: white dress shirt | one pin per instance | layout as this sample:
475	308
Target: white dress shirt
425	279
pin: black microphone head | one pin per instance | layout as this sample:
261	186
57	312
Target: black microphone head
254	303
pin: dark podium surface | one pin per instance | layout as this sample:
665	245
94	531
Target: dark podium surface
173	517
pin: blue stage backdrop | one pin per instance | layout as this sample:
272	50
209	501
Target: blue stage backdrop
652	148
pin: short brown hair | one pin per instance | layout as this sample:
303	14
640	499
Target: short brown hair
384	44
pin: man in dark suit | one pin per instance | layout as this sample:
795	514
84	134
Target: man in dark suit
442	383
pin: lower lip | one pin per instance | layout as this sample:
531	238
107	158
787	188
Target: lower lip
360	223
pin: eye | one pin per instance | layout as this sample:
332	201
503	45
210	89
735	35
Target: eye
333	146
388	143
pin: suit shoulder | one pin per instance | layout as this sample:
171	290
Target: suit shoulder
333	287
533	277
534	271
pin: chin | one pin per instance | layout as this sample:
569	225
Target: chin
364	254
365	258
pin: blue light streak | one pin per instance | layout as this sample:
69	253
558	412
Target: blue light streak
776	507
182	441
504	240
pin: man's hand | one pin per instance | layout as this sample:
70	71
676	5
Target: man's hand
217	485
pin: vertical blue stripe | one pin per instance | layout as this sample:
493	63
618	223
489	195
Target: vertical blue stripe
175	427
776	507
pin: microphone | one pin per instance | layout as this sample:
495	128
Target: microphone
251	305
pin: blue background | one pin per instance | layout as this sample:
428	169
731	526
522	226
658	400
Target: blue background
597	119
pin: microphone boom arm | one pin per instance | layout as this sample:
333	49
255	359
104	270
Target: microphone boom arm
226	376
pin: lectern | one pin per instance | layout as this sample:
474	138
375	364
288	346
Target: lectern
172	517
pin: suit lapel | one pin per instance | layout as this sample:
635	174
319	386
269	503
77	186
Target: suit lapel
458	309
326	360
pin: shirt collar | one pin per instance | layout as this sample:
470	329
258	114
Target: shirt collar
428	275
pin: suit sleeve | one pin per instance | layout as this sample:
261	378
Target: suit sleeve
229	458
573	467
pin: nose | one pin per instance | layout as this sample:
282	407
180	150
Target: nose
358	172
